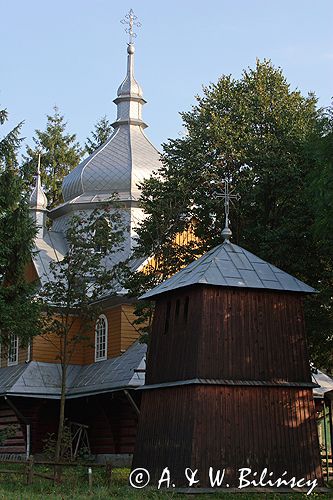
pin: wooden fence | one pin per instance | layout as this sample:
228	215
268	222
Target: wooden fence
29	470
327	466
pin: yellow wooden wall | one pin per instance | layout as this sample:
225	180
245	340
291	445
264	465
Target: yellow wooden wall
121	331
129	333
121	335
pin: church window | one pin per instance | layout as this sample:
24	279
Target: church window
13	350
102	235
101	338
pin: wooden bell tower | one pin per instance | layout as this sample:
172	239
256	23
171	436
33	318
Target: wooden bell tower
228	381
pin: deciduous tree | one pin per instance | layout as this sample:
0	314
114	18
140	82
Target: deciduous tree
256	132
78	282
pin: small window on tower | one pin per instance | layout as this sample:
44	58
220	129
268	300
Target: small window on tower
101	338
13	350
177	309
167	318
187	300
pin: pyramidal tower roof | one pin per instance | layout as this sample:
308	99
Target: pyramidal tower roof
125	159
229	265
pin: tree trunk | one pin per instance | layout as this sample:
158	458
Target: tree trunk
61	412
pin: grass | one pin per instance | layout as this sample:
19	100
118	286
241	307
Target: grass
75	487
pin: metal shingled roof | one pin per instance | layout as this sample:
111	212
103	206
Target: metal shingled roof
43	380
231	266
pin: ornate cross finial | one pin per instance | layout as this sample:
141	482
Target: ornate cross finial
228	195
131	20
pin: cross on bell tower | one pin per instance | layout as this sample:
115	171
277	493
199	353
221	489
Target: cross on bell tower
228	195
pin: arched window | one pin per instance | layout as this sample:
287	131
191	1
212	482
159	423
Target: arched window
102	235
13	350
101	338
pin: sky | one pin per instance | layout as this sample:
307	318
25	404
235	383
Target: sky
72	53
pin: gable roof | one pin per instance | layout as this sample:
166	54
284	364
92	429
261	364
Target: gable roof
229	265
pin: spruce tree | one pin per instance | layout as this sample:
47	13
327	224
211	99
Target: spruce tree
60	154
19	312
102	131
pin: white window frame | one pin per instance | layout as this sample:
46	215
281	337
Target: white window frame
13	350
98	342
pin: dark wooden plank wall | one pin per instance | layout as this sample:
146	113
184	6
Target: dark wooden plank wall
173	354
253	335
228	427
232	334
165	432
111	419
15	444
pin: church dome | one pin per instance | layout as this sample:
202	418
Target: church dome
130	86
38	199
125	159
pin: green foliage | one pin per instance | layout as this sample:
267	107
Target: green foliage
8	432
320	198
102	131
81	277
78	281
50	443
256	132
60	154
19	312
9	144
75	487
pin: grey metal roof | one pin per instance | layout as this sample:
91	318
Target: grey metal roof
112	374
229	265
126	158
43	380
116	167
51	248
38	198
226	382
325	384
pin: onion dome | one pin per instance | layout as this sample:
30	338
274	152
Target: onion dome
125	159
38	200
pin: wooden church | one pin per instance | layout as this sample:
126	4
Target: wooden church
108	366
228	381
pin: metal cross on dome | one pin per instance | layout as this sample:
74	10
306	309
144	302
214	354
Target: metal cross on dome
228	195
131	20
